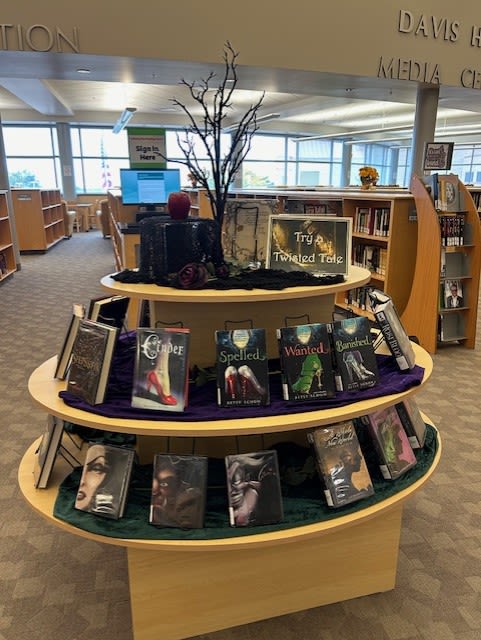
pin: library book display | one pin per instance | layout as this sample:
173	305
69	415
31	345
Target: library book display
185	587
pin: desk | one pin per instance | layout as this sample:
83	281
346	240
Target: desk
84	211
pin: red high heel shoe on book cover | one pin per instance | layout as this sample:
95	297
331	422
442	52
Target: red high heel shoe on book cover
231	383
153	380
250	385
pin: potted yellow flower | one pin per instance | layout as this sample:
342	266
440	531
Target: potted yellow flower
369	177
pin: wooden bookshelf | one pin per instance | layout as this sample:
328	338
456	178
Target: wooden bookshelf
39	218
8	264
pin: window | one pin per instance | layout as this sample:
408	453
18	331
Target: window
32	165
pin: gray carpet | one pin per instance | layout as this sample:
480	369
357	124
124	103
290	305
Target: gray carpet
55	585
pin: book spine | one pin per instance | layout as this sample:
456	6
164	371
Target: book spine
408	426
392	340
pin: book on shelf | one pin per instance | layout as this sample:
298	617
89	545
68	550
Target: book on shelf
306	362
3	264
391	442
47	451
392	329
109	310
253	489
412	421
65	355
242	368
179	489
161	369
341	464
105	479
355	360
449	196
92	355
453	294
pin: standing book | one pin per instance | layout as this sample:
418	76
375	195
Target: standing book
179	488
64	358
242	368
253	489
355	360
306	362
92	355
110	310
105	479
412	421
47	451
341	464
161	370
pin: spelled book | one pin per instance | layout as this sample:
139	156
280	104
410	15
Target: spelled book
242	368
161	369
306	362
341	464
253	489
179	487
105	480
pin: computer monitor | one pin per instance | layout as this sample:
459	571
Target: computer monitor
148	188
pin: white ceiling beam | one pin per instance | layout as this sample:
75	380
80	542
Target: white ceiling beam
38	95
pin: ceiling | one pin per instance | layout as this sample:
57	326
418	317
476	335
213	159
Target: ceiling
95	89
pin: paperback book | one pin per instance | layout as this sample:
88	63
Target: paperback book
179	488
161	369
242	368
306	362
253	489
453	294
105	480
47	451
341	464
412	421
92	355
355	360
110	310
65	356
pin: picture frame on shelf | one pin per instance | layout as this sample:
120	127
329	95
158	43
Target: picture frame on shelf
438	156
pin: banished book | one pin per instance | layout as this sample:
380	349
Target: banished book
161	370
179	487
253	489
242	368
306	361
356	366
341	464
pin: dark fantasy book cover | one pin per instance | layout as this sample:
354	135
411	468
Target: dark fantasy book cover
105	480
341	464
412	421
179	488
306	361
161	369
253	489
242	368
109	310
91	361
355	360
65	355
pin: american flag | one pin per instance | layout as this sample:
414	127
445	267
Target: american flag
106	177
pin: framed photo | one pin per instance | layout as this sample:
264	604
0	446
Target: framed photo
320	245
438	156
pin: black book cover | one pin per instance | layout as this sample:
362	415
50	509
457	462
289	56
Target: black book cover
109	310
47	451
179	487
356	366
341	464
242	368
105	480
306	361
65	355
161	369
412	421
253	489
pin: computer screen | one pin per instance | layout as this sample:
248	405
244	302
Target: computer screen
148	187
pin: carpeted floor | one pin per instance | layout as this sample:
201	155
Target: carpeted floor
55	585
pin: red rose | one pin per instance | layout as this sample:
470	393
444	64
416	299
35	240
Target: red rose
192	276
222	271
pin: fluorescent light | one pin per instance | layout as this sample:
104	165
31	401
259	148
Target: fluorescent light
265	118
124	119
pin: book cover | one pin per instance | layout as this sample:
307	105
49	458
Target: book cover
253	489
413	422
449	193
105	480
242	368
92	354
179	488
109	310
356	366
47	451
453	294
161	369
391	443
306	362
341	464
392	329
65	355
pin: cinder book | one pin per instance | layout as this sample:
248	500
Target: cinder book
412	421
341	464
47	452
306	362
105	479
109	310
179	488
161	369
254	489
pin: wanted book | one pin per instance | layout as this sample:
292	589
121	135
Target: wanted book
161	369
105	480
109	310
306	362
391	443
355	360
412	421
242	368
392	329
253	489
92	355
341	464
65	355
47	452
179	489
